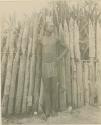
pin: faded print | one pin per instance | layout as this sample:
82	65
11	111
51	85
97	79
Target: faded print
51	62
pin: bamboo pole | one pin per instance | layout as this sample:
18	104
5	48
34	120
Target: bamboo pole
73	67
21	74
76	41
40	105
86	83
9	72
80	84
62	85
38	69
71	54
98	39
98	64
71	28
33	63
3	42
67	69
74	85
78	65
27	76
4	64
63	89
68	80
98	81
15	70
92	57
91	39
3	72
77	71
37	78
92	82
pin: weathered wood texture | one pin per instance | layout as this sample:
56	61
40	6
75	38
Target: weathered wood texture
22	86
22	68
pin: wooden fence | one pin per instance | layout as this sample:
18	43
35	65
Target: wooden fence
22	86
77	87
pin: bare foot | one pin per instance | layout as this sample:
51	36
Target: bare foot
43	116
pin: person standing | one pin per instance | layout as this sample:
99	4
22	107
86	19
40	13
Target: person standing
49	68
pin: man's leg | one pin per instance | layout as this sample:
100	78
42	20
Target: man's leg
54	93
46	96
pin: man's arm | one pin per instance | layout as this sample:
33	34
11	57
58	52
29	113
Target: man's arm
65	51
62	55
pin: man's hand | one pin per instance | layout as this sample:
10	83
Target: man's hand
62	55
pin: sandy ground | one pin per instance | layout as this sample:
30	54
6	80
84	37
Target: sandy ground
87	115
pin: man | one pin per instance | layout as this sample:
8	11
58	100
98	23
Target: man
49	68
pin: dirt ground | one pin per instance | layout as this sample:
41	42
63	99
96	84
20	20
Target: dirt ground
87	115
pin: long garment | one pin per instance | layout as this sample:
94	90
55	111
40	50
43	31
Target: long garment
49	76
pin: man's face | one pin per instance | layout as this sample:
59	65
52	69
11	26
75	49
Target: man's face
50	27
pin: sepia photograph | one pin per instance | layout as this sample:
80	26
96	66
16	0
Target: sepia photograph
50	62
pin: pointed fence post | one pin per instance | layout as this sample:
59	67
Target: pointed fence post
15	70
8	72
22	65
67	61
92	58
98	64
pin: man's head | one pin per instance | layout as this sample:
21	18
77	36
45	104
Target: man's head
49	27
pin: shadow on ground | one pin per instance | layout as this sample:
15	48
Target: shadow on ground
87	115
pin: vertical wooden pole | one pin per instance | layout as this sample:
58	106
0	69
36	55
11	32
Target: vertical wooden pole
62	87
67	59
92	81
92	58
98	65
73	69
80	84
27	78
38	66
91	39
33	62
40	105
4	64
7	84
21	74
9	72
37	77
78	65
86	83
15	70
